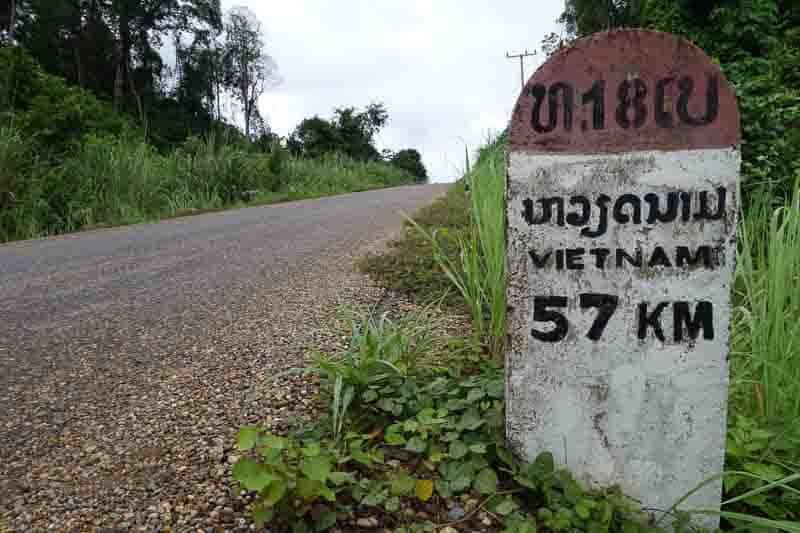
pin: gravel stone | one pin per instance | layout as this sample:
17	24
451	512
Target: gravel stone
130	357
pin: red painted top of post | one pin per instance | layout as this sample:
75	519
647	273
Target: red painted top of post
614	83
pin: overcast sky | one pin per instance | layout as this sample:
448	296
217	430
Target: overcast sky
439	66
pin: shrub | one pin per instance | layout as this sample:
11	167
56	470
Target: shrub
47	108
19	179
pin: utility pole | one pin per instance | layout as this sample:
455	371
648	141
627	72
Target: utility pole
521	58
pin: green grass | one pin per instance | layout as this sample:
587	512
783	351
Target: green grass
410	267
766	331
106	181
763	449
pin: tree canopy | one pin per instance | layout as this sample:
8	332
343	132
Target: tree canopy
757	43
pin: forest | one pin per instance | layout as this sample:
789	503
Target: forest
121	111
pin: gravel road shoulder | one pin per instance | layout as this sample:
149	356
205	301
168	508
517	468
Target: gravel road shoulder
147	445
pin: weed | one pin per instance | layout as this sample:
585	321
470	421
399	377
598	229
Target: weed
107	180
766	363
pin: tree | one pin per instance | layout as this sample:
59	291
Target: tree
411	161
110	46
314	137
350	132
249	70
582	17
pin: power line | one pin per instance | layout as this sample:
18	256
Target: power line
521	58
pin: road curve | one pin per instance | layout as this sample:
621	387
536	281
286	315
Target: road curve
129	354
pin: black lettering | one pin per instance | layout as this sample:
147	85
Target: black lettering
606	305
705	211
703	255
652	320
567	95
602	202
575	258
574	219
597	96
538	92
541	313
659	258
686	85
540	262
622	255
703	319
547	210
663	116
560	259
637	102
527	213
686	206
655	214
600	254
630	199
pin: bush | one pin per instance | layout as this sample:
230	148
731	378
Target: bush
44	107
19	179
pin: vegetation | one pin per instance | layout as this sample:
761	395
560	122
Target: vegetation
97	129
410	266
410	160
112	181
757	43
415	422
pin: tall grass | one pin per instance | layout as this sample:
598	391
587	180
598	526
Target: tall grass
114	181
766	330
335	173
479	274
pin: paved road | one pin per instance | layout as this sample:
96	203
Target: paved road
93	327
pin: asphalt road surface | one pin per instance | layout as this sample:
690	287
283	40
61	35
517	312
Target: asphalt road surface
129	355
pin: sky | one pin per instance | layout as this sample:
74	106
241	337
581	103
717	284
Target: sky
439	66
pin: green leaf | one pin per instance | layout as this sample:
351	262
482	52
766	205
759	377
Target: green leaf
312	449
394	439
307	489
326	493
475	395
361	457
252	475
486	482
369	396
583	511
271	456
275	492
766	471
316	468
248	436
478	448
505	507
458	449
779	525
402	485
386	404
416	444
392	504
375	497
470	420
411	426
340	478
272	442
543	466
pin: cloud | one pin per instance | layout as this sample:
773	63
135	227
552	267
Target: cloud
438	65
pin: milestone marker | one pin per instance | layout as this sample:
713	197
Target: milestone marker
621	200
